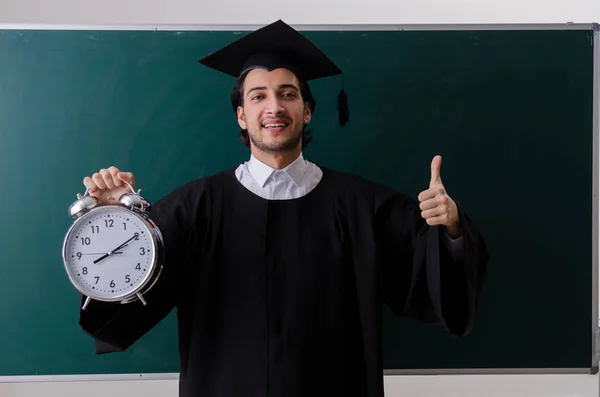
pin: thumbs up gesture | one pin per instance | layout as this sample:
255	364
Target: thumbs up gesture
437	208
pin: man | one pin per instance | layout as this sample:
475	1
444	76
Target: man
278	268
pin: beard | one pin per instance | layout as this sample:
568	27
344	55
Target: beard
276	147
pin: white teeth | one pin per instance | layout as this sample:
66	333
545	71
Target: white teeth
275	125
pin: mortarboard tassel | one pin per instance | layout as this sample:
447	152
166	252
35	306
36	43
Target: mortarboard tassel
343	111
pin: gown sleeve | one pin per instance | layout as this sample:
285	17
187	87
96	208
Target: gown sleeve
116	326
420	275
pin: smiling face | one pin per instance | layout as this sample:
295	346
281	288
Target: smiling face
273	111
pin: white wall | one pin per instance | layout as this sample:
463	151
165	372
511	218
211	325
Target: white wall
297	12
23	13
404	386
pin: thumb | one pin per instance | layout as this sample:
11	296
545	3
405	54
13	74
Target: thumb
436	165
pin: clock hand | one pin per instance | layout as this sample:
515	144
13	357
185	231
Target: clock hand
124	244
109	254
101	253
102	257
116	249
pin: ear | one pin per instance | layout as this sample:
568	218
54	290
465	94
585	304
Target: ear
307	113
241	117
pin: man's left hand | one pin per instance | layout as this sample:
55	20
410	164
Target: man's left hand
437	208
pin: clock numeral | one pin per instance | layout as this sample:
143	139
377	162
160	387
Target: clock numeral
85	241
108	223
97	279
84	271
124	226
112	284
137	236
142	251
79	255
127	278
95	229
138	267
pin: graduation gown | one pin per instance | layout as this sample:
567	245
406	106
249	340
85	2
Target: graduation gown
283	298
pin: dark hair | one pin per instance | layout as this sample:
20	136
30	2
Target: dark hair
237	99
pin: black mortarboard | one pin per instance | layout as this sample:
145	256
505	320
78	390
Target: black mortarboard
274	46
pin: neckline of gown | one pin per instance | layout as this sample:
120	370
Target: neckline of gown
231	174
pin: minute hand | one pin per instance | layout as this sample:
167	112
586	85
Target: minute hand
116	249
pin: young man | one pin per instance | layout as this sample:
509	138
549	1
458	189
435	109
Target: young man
278	268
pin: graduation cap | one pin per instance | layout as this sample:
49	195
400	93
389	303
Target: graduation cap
274	46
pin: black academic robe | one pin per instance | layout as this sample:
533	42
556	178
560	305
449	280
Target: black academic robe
283	298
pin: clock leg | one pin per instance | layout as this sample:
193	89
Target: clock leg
142	299
88	299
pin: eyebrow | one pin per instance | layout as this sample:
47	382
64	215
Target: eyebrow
281	86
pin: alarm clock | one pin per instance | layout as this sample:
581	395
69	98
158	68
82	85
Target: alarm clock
112	253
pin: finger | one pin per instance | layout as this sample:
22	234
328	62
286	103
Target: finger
437	220
99	181
441	210
127	177
436	165
431	203
114	173
428	194
107	177
90	185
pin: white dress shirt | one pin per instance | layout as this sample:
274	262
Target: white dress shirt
294	181
297	180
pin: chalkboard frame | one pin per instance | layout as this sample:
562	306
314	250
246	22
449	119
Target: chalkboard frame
595	27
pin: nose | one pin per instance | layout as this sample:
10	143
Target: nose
274	106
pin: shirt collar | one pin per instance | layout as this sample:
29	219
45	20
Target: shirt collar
261	172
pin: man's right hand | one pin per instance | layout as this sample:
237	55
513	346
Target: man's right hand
107	184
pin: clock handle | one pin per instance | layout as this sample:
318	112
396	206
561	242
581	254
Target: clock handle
87	301
79	196
132	190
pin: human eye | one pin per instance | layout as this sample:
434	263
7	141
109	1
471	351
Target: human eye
257	97
289	94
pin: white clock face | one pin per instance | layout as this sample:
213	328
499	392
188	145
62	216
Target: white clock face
109	252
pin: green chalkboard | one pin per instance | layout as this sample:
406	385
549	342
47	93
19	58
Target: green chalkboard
511	111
